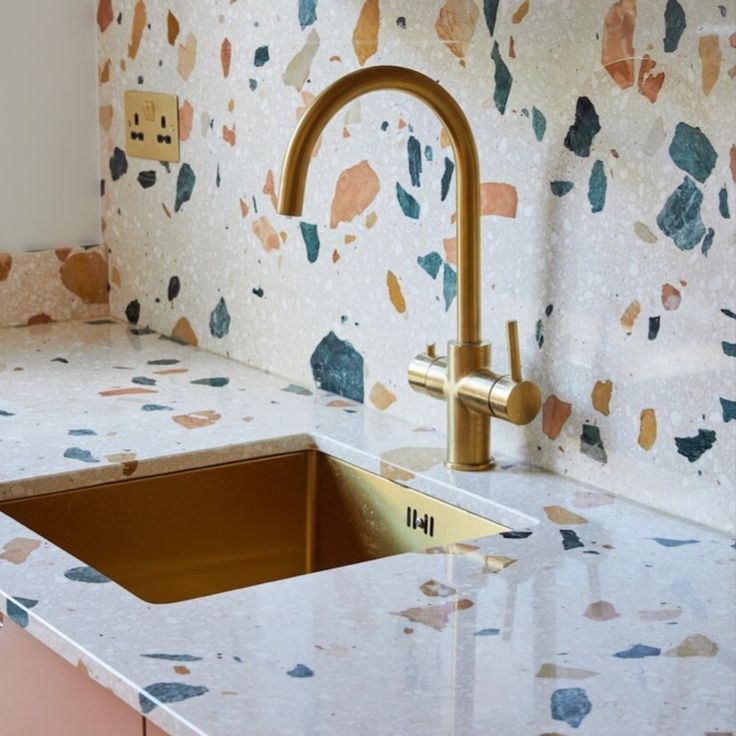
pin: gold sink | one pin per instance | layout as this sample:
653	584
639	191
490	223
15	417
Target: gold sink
178	536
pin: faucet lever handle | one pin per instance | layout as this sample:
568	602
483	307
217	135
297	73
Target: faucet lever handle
512	339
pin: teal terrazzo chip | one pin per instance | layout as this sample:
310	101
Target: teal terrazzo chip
300	671
143	381
307	13
409	206
694	447
168	692
185	181
675	25
77	453
680	217
449	285
220	320
570	705
431	263
691	151
86	574
503	79
639	651
561	188
216	382
666	542
586	126
310	235
446	178
15	609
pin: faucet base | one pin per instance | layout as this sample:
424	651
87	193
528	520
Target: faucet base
471	468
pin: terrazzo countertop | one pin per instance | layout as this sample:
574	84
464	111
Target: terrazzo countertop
593	616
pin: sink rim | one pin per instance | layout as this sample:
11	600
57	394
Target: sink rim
201	531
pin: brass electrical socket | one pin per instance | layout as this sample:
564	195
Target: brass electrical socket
152	126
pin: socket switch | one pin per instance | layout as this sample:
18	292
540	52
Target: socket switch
152	126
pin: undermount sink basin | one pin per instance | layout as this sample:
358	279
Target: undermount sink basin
182	535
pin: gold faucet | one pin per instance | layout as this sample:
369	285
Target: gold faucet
473	392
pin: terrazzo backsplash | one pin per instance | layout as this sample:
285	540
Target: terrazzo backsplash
608	163
54	285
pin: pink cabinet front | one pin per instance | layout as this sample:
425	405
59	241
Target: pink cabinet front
41	694
152	730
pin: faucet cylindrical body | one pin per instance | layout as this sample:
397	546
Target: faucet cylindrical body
468	431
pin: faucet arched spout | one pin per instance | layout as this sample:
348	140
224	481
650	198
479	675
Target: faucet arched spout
463	379
467	173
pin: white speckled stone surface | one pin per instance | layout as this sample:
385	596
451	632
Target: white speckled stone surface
43	286
566	272
523	653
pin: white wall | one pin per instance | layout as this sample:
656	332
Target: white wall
49	171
